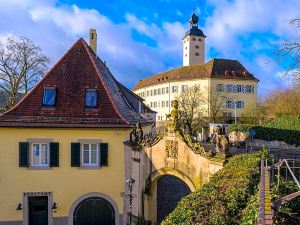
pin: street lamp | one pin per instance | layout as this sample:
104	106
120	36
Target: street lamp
235	103
130	183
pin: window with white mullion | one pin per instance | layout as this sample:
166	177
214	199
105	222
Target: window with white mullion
90	155
40	154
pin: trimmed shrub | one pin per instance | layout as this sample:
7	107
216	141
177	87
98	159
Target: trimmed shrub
222	200
283	128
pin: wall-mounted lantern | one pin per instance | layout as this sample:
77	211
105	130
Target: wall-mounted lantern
54	206
19	207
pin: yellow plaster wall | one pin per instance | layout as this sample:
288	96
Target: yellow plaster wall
67	183
162	111
206	86
248	98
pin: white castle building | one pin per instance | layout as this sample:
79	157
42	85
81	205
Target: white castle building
226	77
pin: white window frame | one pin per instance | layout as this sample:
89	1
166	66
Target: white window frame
184	88
174	89
40	154
240	104
90	154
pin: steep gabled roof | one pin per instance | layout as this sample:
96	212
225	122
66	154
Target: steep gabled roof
79	69
215	68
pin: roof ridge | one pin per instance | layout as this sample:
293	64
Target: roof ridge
214	68
92	57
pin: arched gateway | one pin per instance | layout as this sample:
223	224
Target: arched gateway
93	209
164	172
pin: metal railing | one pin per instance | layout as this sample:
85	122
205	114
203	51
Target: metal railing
289	169
265	212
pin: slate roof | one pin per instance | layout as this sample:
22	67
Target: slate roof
215	68
78	70
195	31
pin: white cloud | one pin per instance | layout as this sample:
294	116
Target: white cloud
242	29
167	37
233	19
55	27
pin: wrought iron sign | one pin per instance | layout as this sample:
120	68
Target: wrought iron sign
33	194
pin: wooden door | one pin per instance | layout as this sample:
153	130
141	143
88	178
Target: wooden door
38	210
94	211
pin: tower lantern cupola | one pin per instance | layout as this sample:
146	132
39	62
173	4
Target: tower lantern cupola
194	43
194	20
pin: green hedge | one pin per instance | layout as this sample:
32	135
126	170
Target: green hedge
222	200
283	128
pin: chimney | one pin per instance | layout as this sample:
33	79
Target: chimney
93	40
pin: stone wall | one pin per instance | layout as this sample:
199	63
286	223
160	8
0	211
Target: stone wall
274	144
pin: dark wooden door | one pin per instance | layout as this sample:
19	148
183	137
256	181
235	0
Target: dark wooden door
38	210
94	211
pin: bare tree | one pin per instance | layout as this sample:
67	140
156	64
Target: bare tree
282	102
216	105
291	49
193	107
21	65
254	114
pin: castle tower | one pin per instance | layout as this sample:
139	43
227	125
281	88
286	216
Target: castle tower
193	44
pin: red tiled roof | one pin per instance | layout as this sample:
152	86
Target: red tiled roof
76	71
215	68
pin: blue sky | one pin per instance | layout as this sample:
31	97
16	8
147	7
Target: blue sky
142	37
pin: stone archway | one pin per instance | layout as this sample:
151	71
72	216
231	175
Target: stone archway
155	175
168	156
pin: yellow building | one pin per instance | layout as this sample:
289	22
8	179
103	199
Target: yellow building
219	79
61	147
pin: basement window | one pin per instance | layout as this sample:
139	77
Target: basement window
49	97
91	98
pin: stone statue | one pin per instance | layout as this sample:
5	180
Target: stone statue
174	125
136	135
222	142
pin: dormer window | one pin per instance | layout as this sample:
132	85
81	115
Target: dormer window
49	96
91	98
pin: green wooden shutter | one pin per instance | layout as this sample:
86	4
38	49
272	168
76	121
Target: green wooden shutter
75	154
54	154
104	154
23	154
